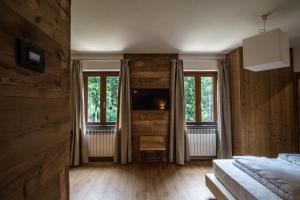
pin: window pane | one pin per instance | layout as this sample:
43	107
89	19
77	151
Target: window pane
190	100
207	98
112	84
93	99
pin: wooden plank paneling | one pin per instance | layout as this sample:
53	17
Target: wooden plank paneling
34	107
255	111
282	111
51	23
235	83
149	71
263	109
297	90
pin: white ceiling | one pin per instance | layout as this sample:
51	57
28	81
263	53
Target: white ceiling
176	26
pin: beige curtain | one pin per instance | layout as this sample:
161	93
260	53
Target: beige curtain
123	148
224	129
179	148
78	150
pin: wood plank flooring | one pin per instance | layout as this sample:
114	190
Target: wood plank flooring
104	180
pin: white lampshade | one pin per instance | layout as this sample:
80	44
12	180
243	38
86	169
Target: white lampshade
268	50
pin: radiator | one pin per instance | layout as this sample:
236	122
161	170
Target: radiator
203	142
100	143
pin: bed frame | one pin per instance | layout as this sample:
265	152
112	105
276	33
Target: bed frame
217	188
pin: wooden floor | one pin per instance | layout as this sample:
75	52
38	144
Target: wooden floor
104	180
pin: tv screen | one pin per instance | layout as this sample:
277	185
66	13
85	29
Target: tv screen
150	99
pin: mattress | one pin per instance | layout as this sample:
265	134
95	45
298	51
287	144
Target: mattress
240	184
280	176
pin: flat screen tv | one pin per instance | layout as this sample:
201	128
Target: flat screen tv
150	99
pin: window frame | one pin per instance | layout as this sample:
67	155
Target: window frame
103	75
197	75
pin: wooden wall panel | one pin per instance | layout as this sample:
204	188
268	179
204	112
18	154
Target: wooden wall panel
255	111
297	89
263	109
149	71
283	111
34	107
234	58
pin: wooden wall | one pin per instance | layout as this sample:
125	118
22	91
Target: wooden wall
149	71
297	81
263	109
34	107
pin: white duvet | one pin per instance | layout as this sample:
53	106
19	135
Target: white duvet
293	159
281	175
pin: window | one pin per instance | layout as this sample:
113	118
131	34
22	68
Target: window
200	93
101	97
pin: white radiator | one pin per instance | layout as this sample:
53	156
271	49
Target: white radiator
100	142
203	142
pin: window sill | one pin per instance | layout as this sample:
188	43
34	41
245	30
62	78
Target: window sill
191	126
102	127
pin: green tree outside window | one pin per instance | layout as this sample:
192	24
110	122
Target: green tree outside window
189	97
112	84
93	99
207	99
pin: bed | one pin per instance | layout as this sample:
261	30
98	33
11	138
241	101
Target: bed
249	178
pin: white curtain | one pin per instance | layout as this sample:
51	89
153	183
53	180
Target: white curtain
179	148
225	135
123	144
78	149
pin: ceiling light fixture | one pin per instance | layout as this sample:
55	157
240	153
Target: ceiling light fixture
268	50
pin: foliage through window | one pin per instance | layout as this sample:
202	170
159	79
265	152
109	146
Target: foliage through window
200	93
101	97
94	84
112	83
190	98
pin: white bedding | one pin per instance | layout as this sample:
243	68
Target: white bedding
240	184
280	176
293	159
